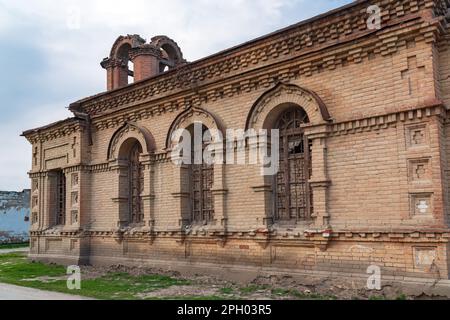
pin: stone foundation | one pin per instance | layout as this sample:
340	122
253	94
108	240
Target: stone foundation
425	259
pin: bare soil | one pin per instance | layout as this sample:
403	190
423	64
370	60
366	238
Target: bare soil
261	288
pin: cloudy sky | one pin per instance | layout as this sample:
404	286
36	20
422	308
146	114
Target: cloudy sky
51	50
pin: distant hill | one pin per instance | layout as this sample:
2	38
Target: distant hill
14	216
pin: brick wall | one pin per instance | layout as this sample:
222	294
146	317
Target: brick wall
385	166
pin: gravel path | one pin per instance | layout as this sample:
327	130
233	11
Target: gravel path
4	251
10	292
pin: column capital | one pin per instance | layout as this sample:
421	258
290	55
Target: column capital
263	188
146	159
118	164
219	192
145	50
109	63
148	197
317	131
319	183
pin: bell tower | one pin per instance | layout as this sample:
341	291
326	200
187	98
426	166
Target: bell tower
132	57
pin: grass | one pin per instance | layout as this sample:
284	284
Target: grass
252	289
402	297
14	245
191	298
227	290
299	295
17	270
124	287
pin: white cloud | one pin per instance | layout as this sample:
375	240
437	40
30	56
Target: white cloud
5	20
212	22
15	159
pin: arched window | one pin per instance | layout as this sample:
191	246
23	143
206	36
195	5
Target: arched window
136	183
128	148
201	179
293	200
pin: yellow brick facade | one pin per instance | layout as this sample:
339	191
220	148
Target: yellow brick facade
383	152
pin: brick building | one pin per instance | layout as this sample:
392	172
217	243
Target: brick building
363	115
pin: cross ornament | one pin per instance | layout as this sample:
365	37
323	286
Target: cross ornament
420	171
413	73
418	137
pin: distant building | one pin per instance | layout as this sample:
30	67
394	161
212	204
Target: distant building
364	146
14	216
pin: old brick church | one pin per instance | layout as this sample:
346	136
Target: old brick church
364	150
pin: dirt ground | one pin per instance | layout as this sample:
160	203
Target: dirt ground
262	288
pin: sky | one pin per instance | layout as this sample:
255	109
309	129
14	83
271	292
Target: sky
50	52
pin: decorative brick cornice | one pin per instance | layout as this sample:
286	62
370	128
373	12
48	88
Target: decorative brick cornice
405	235
264	239
111	110
263	79
385	121
160	157
307	37
34	175
54	131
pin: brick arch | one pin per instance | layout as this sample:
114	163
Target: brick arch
132	41
191	116
125	133
263	112
170	47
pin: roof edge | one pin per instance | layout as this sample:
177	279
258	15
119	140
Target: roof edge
226	51
47	127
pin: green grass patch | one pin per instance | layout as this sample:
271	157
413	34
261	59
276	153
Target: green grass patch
7	246
17	270
252	289
191	298
227	290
